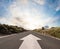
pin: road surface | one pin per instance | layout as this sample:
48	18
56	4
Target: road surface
38	41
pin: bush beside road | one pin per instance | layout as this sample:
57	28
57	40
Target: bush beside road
9	29
54	31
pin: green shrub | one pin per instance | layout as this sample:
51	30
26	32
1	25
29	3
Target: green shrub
8	29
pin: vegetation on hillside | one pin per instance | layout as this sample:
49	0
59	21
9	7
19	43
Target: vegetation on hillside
9	29
53	31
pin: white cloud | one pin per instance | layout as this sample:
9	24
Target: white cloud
22	2
58	8
26	17
6	21
41	2
2	20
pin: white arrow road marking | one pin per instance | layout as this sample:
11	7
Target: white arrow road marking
30	42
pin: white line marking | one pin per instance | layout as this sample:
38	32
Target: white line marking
55	38
50	36
7	36
30	42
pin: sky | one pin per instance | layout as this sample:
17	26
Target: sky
30	14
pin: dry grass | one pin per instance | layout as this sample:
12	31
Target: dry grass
54	31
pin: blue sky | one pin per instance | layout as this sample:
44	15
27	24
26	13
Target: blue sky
30	14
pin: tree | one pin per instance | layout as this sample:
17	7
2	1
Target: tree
43	28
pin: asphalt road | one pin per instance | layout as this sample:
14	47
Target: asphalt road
14	42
